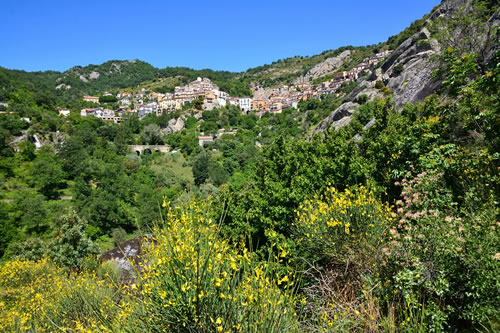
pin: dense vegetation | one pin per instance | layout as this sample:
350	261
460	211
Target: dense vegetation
267	228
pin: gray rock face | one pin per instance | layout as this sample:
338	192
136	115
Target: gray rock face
365	88
495	22
375	75
338	118
260	93
178	125
370	124
342	115
94	75
63	86
174	125
408	71
328	66
127	256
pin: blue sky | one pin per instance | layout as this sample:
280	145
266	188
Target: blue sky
222	35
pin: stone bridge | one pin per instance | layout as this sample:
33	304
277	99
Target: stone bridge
149	149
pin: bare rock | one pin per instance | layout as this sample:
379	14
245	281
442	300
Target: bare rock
369	124
174	125
364	88
328	66
375	75
127	256
338	118
63	86
94	75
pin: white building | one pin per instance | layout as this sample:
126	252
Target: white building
245	104
222	98
205	139
234	101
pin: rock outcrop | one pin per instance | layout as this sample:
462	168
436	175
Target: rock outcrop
328	66
174	125
338	118
127	256
408	71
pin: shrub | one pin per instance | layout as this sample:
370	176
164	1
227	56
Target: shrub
398	69
195	281
362	99
445	255
71	245
119	236
38	296
339	222
344	231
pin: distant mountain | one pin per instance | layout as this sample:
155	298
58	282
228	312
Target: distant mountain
107	76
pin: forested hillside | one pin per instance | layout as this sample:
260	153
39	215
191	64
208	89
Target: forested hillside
374	209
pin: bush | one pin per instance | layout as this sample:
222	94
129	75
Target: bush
344	232
119	236
444	255
40	297
379	84
195	281
398	69
362	99
340	223
71	245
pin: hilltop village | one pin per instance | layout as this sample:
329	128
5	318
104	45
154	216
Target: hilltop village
203	90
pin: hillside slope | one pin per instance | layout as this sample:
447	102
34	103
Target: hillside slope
410	71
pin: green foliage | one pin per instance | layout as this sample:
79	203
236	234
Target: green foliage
47	174
469	30
71	245
379	84
226	81
195	280
152	135
119	236
108	99
201	166
341	224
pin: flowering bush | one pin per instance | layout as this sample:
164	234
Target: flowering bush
41	297
194	280
443	255
338	222
190	280
346	231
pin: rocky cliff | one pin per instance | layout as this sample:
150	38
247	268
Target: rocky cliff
328	66
407	72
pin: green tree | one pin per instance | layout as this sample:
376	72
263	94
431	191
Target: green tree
71	245
201	167
47	174
152	135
